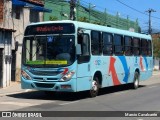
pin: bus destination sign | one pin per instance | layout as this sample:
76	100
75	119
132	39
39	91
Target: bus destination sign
49	28
54	28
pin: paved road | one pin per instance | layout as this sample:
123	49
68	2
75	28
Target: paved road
121	98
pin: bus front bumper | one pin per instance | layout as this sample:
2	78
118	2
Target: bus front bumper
68	86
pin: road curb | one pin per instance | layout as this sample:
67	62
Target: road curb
16	92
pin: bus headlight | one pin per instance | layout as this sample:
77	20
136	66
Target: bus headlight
25	75
67	76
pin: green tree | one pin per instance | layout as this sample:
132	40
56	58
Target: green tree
83	19
53	18
98	23
156	47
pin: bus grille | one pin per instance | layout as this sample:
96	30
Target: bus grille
46	73
46	80
43	85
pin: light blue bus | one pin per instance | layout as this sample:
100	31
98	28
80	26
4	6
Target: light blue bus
72	56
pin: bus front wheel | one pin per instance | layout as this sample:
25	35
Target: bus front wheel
95	87
135	83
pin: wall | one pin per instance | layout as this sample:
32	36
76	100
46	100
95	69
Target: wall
156	37
1	11
7	59
156	64
8	43
5	44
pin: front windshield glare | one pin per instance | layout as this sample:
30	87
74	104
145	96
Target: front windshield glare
49	50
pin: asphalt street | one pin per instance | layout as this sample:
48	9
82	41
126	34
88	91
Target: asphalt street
120	98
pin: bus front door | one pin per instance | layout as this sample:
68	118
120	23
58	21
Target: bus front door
83	66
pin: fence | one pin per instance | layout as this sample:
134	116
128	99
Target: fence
88	13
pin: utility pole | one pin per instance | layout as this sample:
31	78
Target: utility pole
72	9
89	12
150	27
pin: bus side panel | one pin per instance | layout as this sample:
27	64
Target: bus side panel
146	67
132	65
83	83
127	68
115	70
119	70
83	77
100	64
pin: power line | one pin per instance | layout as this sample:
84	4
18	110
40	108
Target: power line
113	12
135	9
116	21
131	7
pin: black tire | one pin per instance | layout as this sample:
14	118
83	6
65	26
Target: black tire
95	87
135	83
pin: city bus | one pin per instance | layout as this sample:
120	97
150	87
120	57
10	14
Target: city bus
72	56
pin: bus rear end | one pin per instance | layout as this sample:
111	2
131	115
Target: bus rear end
48	57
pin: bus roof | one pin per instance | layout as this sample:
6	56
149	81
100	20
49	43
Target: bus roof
91	26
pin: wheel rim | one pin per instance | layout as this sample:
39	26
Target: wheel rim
94	86
94	89
136	83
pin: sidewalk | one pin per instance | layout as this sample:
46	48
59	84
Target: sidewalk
156	72
15	87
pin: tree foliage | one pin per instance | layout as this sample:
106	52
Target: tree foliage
53	18
83	19
156	47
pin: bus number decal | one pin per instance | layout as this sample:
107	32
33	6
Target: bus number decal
97	62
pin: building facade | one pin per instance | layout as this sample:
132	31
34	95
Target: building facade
156	44
15	15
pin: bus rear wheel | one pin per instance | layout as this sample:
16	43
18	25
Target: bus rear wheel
135	83
95	87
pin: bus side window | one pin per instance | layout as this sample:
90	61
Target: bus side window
85	45
149	48
144	47
83	40
96	43
127	45
118	44
136	46
107	44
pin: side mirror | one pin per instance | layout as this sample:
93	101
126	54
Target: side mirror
78	49
16	45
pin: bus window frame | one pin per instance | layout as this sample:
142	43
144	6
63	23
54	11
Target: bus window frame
84	58
116	45
138	47
150	48
129	46
99	46
111	44
144	47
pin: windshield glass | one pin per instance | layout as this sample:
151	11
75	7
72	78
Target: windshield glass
49	51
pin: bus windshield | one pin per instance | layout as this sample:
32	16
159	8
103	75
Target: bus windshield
49	51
